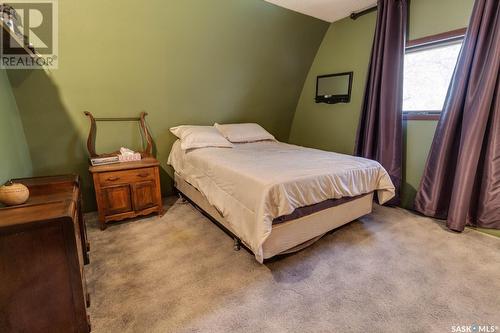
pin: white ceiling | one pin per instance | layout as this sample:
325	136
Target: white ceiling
326	10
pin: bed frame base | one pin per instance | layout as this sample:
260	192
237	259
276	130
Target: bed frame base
285	237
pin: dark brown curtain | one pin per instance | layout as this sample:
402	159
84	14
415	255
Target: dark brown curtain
379	135
461	182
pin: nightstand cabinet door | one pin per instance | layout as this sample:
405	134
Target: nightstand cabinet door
117	199
144	195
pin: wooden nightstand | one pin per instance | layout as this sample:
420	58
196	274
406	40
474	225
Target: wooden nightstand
126	190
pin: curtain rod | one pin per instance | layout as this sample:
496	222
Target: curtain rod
355	15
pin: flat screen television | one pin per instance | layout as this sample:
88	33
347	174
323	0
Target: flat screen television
334	88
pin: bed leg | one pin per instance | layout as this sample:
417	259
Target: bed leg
237	244
181	197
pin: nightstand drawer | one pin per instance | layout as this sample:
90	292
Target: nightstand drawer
126	176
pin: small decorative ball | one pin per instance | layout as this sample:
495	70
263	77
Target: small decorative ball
12	194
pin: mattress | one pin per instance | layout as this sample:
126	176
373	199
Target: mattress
253	184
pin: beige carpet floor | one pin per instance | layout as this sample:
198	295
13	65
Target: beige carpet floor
391	271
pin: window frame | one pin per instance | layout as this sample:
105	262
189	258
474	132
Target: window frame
423	43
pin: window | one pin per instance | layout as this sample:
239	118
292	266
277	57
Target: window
429	66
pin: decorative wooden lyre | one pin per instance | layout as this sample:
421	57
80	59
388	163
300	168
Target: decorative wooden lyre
93	129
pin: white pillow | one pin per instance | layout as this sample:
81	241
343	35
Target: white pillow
248	132
199	137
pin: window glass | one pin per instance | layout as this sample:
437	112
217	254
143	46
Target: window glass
427	75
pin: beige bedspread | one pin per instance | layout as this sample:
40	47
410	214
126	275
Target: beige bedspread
254	183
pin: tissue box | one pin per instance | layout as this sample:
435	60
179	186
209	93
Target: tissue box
129	157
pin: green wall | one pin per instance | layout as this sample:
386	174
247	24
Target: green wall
14	160
347	47
184	62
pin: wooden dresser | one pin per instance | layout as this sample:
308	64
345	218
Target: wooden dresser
126	190
43	249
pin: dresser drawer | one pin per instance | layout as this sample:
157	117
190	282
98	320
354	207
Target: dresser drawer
126	176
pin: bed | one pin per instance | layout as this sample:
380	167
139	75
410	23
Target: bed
276	197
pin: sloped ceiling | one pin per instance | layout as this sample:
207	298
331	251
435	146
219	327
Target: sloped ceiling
326	10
